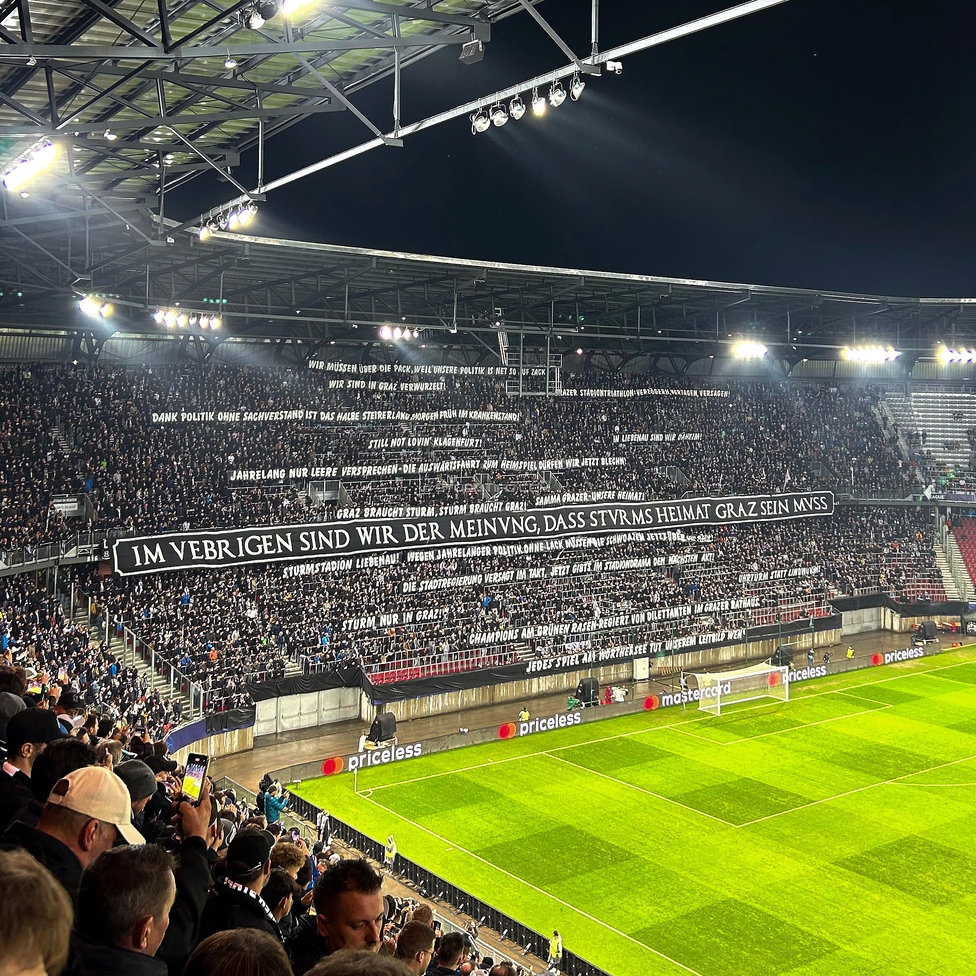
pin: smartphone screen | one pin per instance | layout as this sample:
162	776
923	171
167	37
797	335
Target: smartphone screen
295	834
196	773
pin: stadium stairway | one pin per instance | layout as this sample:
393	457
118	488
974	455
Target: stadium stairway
964	536
948	580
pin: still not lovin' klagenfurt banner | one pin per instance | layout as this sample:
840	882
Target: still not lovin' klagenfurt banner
376	537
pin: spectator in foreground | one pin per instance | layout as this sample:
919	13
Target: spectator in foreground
86	814
35	926
279	894
236	902
359	962
61	757
415	947
28	733
449	954
124	903
239	952
349	912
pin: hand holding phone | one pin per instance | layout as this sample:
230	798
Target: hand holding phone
196	775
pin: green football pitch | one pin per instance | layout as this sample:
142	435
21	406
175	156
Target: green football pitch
833	834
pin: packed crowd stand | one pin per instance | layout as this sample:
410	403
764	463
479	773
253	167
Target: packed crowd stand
112	865
146	472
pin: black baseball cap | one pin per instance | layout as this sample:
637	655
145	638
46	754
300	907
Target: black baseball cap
32	725
248	852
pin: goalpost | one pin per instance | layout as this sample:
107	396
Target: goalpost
719	689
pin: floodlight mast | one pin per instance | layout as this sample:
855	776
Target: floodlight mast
594	61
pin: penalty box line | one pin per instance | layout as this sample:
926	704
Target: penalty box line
528	884
677	727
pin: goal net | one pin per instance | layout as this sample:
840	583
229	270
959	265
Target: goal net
718	690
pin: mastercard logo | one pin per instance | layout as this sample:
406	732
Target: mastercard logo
877	659
651	703
331	766
507	731
773	679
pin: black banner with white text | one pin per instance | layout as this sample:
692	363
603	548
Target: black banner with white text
377	538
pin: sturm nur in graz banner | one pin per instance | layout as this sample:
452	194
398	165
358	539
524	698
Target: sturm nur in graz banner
372	537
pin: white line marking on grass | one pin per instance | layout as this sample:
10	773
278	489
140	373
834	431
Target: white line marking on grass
641	789
676	726
894	781
541	891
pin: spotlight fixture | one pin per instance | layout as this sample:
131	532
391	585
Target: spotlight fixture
748	350
472	52
397	332
233	219
95	307
516	108
386	332
174	318
110	136
291	6
229	63
557	94
203	231
480	122
498	114
870	354
538	103
576	88
27	167
615	67
946	356
257	13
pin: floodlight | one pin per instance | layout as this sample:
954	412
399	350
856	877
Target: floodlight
290	6
203	232
30	165
615	67
246	214
538	103
230	63
385	332
158	316
557	94
181	319
748	350
215	322
397	332
870	354
480	121
170	319
106	310
947	356
576	88
194	318
498	114
88	305
516	108
110	136
233	220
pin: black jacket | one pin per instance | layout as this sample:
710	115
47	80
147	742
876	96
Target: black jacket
96	959
47	850
192	884
230	909
15	794
306	947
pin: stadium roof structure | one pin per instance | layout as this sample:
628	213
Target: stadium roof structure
308	297
139	97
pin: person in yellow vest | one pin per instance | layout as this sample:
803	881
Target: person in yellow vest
523	714
850	653
555	950
389	854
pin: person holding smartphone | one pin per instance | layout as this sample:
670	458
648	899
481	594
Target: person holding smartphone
274	804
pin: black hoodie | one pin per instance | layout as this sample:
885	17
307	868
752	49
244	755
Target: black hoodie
306	947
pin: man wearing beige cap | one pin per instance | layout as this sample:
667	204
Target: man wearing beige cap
85	815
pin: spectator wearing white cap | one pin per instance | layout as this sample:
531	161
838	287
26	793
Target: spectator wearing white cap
86	814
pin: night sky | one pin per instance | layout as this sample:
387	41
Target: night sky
823	143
